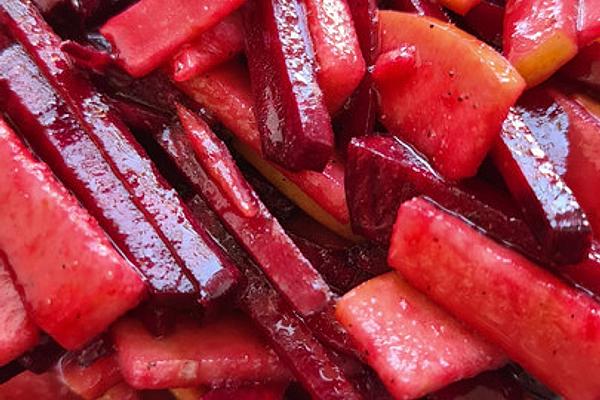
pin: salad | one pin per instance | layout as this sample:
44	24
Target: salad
292	199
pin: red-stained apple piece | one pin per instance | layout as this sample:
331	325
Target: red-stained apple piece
145	35
403	335
450	108
537	319
74	289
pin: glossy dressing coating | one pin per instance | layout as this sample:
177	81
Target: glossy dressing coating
308	359
529	313
51	128
191	246
588	22
548	204
294	125
261	235
145	35
426	8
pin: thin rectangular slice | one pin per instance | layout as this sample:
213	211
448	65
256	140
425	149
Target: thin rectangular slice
225	92
539	43
548	204
213	47
413	345
145	35
193	249
121	391
76	161
295	129
290	337
222	185
227	351
588	22
74	289
374	202
550	329
585	66
450	108
341	65
18	333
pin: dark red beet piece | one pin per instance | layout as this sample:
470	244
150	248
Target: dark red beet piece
290	337
88	57
28	99
373	202
260	234
486	21
585	67
554	215
421	7
357	117
190	245
294	125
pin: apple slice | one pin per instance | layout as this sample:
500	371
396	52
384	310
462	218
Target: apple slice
223	352
225	92
337	50
145	35
554	214
539	43
536	318
585	67
213	47
414	346
18	333
451	108
588	22
188	393
295	129
73	290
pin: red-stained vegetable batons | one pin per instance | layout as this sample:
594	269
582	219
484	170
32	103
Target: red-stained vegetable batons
294	125
222	185
191	246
